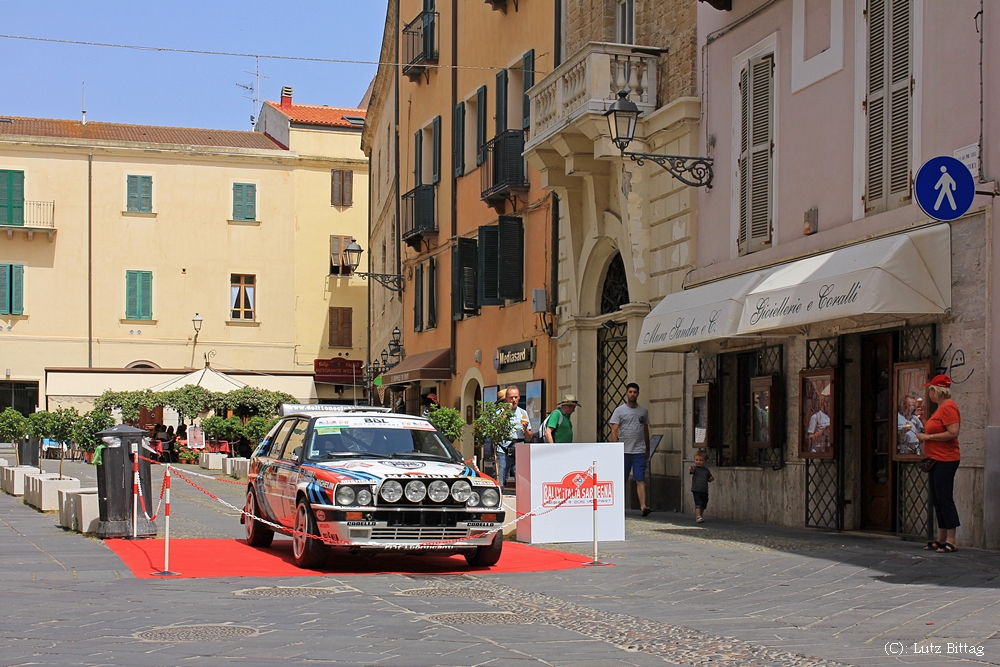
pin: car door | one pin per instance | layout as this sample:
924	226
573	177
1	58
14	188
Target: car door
288	471
272	501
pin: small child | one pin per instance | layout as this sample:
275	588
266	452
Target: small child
701	476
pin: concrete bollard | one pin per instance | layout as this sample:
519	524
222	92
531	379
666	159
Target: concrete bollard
240	468
68	499
86	511
211	460
13	479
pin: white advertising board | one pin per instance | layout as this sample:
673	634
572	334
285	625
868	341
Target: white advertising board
555	480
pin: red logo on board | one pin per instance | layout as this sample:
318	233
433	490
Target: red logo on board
577	489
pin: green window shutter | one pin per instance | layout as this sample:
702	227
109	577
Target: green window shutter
131	295
489	266
480	123
431	293
145	295
17	198
146	194
501	101
528	81
458	140
418	157
132	204
418	298
250	201
5	203
239	193
456	282
436	154
465	258
16	289
4	289
511	243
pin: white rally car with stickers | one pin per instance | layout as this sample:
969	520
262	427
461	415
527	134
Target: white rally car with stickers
365	480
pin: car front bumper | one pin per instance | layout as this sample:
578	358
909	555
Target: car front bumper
390	531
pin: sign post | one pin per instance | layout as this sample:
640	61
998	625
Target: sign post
944	188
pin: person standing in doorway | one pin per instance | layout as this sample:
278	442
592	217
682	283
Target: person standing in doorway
520	430
558	427
630	425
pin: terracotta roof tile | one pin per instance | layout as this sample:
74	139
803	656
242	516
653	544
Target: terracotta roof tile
74	129
310	114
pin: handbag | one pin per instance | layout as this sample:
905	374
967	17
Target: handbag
927	464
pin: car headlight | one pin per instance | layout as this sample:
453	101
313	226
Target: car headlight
345	495
461	490
391	491
438	491
364	497
473	500
491	497
416	491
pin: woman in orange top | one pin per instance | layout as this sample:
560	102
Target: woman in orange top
940	438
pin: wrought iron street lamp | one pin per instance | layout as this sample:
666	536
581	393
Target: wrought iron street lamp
196	321
622	117
392	281
395	349
385	358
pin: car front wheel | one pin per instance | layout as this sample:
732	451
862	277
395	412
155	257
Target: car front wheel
489	555
258	535
307	551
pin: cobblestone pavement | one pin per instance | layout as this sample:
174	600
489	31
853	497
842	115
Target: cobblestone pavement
719	593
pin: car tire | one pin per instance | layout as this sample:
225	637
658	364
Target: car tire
306	551
489	555
258	535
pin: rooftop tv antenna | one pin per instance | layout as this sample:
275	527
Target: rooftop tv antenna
253	89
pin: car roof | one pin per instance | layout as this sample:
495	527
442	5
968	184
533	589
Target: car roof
318	409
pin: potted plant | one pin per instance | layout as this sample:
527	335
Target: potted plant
232	432
214	427
13	427
490	427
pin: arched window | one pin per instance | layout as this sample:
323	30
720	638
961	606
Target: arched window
614	294
142	363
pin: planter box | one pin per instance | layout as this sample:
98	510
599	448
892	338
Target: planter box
79	509
4	463
13	479
42	491
211	460
239	468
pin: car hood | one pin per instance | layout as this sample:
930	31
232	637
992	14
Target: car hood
375	470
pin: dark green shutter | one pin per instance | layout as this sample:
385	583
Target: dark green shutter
131	294
145	295
16	289
456	282
431	293
133	194
489	266
250	201
528	82
418	157
501	101
436	154
238	195
511	279
464	270
458	140
5	197
146	194
480	123
16	198
418	298
4	289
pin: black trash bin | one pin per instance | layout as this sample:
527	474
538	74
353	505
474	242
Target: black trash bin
114	484
27	452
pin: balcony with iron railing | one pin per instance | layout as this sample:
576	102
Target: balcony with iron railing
419	214
587	84
502	172
28	218
420	44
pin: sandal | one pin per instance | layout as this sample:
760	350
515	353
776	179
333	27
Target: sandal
947	548
933	546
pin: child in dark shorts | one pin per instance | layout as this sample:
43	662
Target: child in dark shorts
701	476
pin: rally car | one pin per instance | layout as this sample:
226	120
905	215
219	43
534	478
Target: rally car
367	480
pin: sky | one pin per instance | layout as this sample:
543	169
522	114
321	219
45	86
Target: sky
183	90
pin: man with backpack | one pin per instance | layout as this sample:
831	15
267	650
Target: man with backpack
558	427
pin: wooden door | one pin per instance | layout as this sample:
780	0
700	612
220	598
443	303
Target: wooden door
878	431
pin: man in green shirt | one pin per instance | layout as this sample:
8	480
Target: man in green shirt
558	427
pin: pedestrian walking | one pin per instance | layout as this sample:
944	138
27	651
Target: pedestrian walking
940	438
558	427
521	433
700	477
630	425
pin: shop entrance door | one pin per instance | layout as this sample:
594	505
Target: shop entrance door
877	432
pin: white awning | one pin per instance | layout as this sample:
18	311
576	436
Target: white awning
702	313
206	377
905	274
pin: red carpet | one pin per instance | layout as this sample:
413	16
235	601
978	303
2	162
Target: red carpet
198	559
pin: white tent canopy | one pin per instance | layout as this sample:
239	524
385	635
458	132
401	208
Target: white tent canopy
207	377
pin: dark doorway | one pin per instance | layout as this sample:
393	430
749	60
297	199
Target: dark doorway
877	431
22	396
612	374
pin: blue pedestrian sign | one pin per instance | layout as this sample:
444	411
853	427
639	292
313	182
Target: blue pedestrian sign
944	188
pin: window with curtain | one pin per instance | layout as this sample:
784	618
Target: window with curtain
243	296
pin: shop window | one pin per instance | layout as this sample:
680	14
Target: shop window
749	402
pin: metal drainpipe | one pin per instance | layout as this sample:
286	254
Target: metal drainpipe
454	180
368	351
90	261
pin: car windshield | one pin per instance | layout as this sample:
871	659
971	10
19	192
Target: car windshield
382	437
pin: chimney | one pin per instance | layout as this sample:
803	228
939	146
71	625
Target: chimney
286	97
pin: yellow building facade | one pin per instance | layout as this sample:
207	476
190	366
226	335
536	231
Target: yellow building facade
116	236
